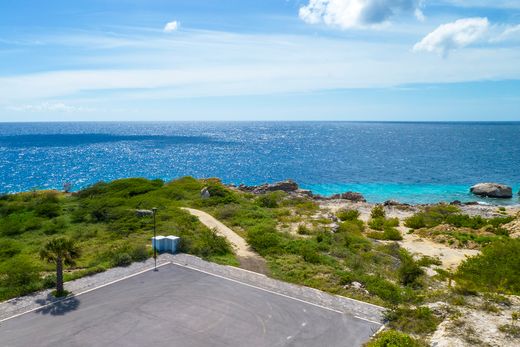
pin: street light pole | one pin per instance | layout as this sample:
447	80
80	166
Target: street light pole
154	210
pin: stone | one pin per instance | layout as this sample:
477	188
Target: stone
391	203
285	186
351	196
456	202
492	190
204	193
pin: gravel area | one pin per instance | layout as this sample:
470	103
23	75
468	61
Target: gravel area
345	305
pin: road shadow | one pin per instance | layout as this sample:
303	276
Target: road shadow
57	307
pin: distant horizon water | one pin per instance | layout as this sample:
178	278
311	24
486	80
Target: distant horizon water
412	162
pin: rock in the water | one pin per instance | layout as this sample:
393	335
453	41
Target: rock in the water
351	196
204	193
492	190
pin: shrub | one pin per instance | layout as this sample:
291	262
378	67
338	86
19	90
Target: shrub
377	223
393	338
378	211
303	230
54	226
346	214
392	234
265	240
12	225
382	288
48	210
268	200
351	226
140	253
227	211
409	271
495	269
121	259
389	233
9	249
18	276
413	321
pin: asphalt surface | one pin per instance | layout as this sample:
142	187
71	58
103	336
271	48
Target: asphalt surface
178	306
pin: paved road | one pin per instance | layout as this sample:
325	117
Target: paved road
178	306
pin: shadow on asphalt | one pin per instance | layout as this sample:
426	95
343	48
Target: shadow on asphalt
57	307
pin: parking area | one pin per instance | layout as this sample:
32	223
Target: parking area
180	306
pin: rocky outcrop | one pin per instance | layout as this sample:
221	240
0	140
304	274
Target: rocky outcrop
350	196
492	190
288	186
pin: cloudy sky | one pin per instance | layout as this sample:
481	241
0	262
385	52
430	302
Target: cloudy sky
259	60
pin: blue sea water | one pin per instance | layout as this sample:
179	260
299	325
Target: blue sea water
409	162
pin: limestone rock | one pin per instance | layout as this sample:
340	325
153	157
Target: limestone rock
204	193
492	190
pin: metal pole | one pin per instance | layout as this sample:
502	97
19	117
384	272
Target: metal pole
155	240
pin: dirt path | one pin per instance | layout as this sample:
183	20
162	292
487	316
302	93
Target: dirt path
450	257
248	258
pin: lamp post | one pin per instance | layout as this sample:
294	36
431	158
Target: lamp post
154	210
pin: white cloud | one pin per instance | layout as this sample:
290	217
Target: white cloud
171	27
510	33
458	34
46	107
357	13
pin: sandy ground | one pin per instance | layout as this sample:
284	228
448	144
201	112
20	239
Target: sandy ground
247	257
450	257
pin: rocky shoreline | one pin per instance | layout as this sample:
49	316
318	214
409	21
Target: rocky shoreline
486	190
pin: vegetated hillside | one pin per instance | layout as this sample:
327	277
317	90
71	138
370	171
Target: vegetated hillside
301	243
103	221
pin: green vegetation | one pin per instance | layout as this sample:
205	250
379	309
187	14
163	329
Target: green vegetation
413	321
345	215
393	338
385	226
103	222
496	269
447	214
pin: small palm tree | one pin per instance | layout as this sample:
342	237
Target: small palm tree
60	251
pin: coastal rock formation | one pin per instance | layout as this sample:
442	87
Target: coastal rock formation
492	190
351	196
288	186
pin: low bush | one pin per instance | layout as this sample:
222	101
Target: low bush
384	289
347	215
410	273
354	226
378	211
18	276
121	259
448	214
496	269
413	321
393	338
269	200
9	248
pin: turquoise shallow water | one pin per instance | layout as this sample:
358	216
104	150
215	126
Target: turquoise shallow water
410	162
410	193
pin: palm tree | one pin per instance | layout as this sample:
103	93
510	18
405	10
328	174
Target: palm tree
60	251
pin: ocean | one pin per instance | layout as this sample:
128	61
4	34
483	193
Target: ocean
409	162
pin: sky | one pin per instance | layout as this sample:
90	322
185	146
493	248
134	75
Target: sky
377	60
